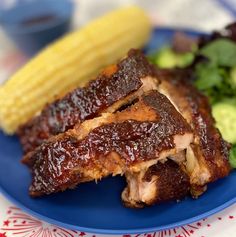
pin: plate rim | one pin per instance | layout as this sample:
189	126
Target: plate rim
124	231
113	231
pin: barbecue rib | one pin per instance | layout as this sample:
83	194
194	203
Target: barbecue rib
205	159
114	87
128	141
151	125
207	156
161	182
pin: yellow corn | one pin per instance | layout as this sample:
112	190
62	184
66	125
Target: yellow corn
70	62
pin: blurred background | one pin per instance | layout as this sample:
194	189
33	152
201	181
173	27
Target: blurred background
60	16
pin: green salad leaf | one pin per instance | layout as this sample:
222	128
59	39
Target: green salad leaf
221	52
216	77
208	76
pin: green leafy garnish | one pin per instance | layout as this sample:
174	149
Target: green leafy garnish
221	52
215	76
208	76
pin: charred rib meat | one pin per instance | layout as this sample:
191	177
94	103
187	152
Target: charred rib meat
115	86
207	156
127	141
150	125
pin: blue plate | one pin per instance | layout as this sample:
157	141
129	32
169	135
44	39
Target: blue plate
97	208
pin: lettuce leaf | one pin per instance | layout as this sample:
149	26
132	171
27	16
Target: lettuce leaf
221	52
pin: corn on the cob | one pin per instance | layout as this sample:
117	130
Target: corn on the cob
69	63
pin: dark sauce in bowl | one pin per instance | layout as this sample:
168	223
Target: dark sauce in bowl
39	20
34	24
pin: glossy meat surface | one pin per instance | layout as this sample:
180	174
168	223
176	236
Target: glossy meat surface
130	140
207	157
116	83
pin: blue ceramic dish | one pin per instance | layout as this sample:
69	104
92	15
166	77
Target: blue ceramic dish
33	24
97	208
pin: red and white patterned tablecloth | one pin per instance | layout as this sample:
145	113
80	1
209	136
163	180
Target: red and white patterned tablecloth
203	15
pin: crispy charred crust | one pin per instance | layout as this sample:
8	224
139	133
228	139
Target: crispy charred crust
210	147
172	182
113	84
132	141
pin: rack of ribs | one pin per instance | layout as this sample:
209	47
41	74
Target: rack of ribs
150	125
115	86
128	141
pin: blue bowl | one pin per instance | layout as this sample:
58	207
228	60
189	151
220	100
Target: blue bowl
32	25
